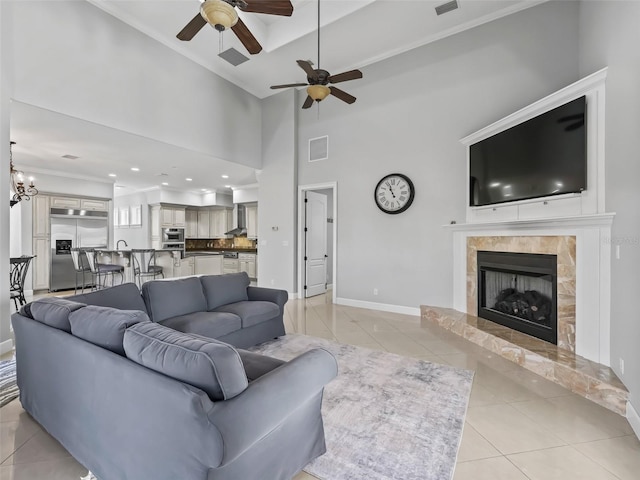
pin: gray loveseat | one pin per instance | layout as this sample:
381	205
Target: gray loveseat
224	307
132	399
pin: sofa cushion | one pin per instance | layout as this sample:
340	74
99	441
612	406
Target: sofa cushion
124	297
251	313
212	366
222	289
256	365
52	311
208	324
173	298
104	326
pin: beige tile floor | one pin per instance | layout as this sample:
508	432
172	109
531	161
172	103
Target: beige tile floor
518	426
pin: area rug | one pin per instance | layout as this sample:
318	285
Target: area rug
386	416
8	385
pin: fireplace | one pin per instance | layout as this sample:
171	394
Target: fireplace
519	291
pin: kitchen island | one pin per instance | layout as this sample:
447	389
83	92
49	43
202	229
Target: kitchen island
168	259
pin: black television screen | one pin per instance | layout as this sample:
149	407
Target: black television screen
546	155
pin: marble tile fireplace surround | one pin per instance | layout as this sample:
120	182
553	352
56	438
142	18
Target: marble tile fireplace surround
580	361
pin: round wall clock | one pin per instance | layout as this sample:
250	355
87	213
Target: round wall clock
394	193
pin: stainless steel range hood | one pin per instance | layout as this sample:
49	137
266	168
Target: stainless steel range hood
239	221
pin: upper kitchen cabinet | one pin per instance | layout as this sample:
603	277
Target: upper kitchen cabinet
191	224
96	205
252	221
221	221
172	217
41	207
203	224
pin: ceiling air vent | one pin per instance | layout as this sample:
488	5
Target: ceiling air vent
318	148
447	7
233	56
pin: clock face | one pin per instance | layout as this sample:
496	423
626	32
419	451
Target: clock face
394	193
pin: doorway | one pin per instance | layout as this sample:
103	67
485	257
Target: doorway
317	239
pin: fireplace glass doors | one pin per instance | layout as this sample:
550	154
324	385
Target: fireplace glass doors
518	290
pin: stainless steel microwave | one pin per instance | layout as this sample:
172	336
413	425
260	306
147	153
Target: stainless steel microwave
174	235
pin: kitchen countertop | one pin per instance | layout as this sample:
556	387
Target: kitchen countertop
219	251
127	251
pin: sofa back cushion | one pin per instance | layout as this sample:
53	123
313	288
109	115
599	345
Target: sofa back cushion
212	366
172	298
104	326
124	297
224	289
52	311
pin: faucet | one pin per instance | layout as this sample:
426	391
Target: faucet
118	244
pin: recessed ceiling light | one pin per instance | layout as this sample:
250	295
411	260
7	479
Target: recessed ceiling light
112	175
135	169
225	176
203	189
227	186
189	179
165	183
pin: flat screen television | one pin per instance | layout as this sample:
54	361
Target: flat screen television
544	156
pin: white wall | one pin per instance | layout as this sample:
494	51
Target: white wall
411	112
136	237
609	37
277	193
73	58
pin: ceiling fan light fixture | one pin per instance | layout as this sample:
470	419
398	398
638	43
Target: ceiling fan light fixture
219	14
318	92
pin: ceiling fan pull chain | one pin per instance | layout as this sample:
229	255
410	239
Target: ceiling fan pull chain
220	43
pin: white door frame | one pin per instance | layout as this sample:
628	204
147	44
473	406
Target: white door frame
301	191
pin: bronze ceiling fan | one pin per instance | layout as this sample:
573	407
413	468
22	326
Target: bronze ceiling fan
318	79
222	14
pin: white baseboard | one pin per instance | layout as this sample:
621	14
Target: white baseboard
294	295
634	419
384	307
28	293
6	346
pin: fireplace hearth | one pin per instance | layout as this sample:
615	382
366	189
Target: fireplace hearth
519	291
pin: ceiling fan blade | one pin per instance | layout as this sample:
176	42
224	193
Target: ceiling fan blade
308	102
290	85
270	7
308	69
246	37
343	77
342	95
193	27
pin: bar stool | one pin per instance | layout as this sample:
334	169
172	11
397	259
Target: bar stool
144	265
102	270
17	275
80	265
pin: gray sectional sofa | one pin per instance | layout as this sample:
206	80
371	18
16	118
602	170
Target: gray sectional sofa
133	399
224	307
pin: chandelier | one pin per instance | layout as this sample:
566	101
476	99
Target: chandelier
20	191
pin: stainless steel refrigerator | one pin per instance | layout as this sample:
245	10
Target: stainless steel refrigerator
69	229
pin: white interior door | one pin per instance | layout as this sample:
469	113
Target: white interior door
315	254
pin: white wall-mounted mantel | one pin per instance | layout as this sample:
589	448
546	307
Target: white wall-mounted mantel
590	201
593	270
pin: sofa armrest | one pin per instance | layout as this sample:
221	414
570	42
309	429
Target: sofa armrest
263	294
268	401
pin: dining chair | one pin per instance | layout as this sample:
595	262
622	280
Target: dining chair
17	276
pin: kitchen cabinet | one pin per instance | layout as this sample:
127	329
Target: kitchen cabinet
41	263
191	224
172	217
247	263
40	215
252	221
65	202
97	205
231	265
203	223
208	264
186	267
220	222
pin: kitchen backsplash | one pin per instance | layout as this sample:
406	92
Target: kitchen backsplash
236	242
